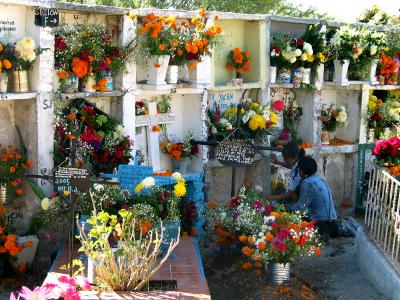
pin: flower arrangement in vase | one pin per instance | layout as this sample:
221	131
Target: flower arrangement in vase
388	69
387	154
239	62
282	57
180	152
332	117
5	67
101	141
89	54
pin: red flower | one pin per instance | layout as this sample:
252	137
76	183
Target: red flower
217	115
278	105
89	110
125	207
300	42
235	201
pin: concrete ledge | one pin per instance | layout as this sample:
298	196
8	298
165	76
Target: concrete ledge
376	267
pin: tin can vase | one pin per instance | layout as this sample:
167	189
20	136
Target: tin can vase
109	86
325	138
280	273
70	84
284	75
297	76
3	82
20	81
88	84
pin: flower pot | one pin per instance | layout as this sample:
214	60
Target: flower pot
109	85
70	84
181	165
6	193
27	254
273	74
3	82
172	74
297	76
236	82
158	66
280	273
171	232
284	75
197	73
341	71
88	84
183	73
20	81
319	80
306	74
325	138
372	77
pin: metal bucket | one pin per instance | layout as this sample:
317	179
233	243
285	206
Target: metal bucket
20	81
3	82
280	273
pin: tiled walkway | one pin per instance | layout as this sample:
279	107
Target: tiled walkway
186	269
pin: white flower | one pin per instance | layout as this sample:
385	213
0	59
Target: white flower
176	175
304	56
287	53
258	189
373	50
214	130
297	52
148	182
273	53
342	117
248	115
293	60
308	48
45	203
268	219
229	127
99	187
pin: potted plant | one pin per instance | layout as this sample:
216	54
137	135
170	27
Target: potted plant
23	57
180	152
345	45
239	62
332	117
316	54
5	67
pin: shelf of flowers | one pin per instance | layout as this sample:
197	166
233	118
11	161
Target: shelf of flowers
17	96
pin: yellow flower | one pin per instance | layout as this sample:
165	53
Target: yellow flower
180	180
66	193
1	47
132	16
254	105
273	117
321	57
310	58
139	188
257	122
45	203
179	190
372	105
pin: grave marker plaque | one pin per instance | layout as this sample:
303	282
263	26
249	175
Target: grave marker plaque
46	17
235	152
73	180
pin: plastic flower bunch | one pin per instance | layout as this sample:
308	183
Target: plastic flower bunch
345	43
333	117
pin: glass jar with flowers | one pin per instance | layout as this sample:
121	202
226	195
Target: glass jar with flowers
239	62
282	58
23	57
332	117
5	67
180	152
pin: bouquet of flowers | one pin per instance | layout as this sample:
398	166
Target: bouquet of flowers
387	152
314	47
283	50
291	117
388	69
101	141
345	44
333	117
281	238
24	53
257	120
5	63
238	61
179	150
218	126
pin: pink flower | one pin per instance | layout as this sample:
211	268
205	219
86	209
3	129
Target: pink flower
70	293
278	105
268	209
53	195
257	205
67	280
41	293
83	282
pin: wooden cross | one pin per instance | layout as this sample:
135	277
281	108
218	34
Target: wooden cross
153	142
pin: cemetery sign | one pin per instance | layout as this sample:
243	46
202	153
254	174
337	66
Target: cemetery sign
46	17
73	180
235	152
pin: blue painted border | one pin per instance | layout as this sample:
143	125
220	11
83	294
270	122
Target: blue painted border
198	256
56	259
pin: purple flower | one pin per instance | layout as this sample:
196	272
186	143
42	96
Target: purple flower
103	65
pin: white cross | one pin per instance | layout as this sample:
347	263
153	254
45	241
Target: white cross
153	142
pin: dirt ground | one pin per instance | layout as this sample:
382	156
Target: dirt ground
332	275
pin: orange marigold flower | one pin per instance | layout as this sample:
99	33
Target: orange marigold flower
211	204
151	16
261	246
275	214
154	34
102	81
247	54
194	49
216	17
175	43
250	239
10	147
192	65
28	244
179	52
14	183
19	191
203	12
108	60
247	265
7	64
71	117
29	162
162	47
259	265
156	128
243	238
247	251
12	170
317	251
157	65
91	58
79	67
269	237
70	136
